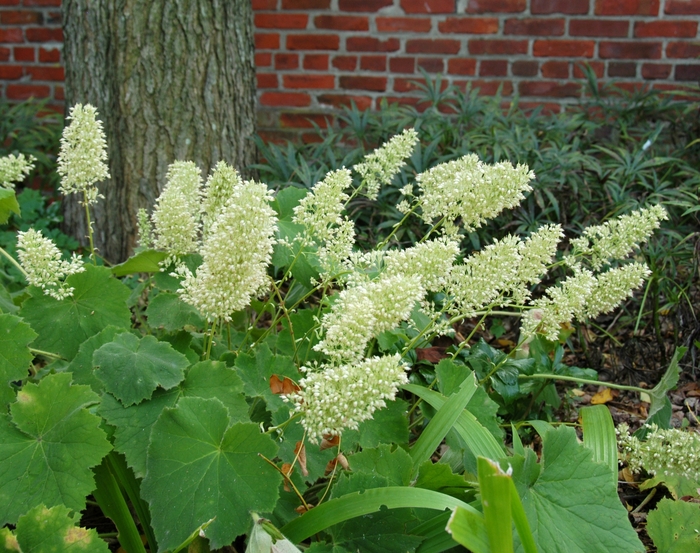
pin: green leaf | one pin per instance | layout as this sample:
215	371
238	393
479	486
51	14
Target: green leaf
8	541
132	369
170	312
147	261
678	484
495	487
568	499
469	529
48	447
44	530
8	205
387	426
98	301
442	422
395	465
383	531
15	357
668	382
209	468
674	526
599	437
207	379
82	367
440	478
358	504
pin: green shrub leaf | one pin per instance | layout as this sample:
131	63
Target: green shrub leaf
82	367
44	530
209	469
674	526
143	262
568	499
170	312
8	204
48	446
15	357
132	368
98	301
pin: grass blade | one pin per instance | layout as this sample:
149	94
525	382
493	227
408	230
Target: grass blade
599	436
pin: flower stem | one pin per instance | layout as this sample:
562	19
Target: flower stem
581	381
13	261
89	227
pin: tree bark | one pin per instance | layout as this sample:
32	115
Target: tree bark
171	80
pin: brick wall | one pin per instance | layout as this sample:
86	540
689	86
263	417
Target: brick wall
314	55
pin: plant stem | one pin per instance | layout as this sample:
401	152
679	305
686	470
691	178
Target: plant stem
45	353
211	339
13	261
89	226
581	381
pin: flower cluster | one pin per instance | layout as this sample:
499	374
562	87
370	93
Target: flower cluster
333	398
81	160
236	252
614	286
14	169
617	238
665	452
384	163
42	263
536	252
178	212
321	214
470	191
431	261
217	190
364	311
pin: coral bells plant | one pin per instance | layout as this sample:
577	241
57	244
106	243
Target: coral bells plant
257	362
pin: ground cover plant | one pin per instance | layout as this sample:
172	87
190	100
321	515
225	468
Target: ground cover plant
257	378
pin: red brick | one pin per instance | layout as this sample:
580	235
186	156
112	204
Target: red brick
682	7
523	68
266	80
630	50
47	55
11	35
415	24
9	2
495	46
546	108
407	85
496	6
11	72
59	93
305	4
23	53
371	44
313	42
267	41
431	65
44	34
56	3
5	55
404	101
290	99
599	27
564	48
264	4
630	87
345	63
626	7
569	7
534	27
342	100
461	66
316	62
402	65
428	6
622	69
488	88
286	61
281	20
26	91
656	70
304	120
555	70
686	29
687	72
20	17
373	63
493	68
309	81
432	46
377	84
263	59
342	22
469	25
363	5
598	68
46	73
682	50
550	89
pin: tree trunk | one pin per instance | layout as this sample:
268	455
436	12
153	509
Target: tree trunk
171	80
